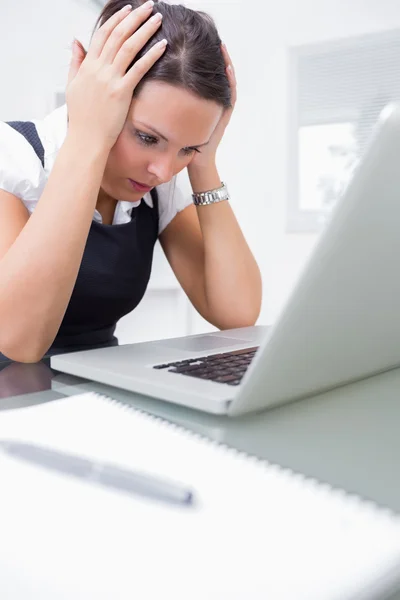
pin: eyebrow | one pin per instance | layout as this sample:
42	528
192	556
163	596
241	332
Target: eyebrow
163	136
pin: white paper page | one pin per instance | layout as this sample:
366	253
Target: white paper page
255	532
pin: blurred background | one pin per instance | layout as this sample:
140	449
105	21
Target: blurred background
313	76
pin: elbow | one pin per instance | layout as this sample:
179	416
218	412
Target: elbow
237	320
237	323
242	311
21	352
22	355
244	314
250	317
23	338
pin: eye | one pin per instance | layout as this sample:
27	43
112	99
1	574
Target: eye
147	140
189	151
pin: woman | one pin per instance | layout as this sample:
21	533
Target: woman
86	192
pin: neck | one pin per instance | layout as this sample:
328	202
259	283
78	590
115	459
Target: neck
106	207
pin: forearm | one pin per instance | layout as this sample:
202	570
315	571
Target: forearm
232	281
38	273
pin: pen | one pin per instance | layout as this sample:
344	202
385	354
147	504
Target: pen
104	474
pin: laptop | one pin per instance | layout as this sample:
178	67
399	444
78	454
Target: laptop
340	324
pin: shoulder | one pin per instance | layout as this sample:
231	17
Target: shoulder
172	198
21	171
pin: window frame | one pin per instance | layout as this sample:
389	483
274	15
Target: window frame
300	220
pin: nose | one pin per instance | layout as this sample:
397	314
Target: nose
162	168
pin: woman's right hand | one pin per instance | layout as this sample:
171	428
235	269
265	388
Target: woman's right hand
100	93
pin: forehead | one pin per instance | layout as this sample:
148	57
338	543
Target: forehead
176	113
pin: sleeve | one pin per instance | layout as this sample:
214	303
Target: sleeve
21	172
171	200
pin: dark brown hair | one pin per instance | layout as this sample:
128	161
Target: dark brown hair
193	58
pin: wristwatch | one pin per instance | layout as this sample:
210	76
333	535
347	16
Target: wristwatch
212	196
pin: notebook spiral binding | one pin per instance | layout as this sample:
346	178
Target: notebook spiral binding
352	501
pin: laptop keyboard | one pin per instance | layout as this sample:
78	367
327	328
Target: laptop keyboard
228	367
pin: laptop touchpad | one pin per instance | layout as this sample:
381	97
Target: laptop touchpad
200	344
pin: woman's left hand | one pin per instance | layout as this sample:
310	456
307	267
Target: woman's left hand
208	153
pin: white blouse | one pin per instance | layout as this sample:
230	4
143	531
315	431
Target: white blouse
22	173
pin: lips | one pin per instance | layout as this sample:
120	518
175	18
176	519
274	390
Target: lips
140	187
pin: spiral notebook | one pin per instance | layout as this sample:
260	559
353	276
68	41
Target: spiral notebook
255	531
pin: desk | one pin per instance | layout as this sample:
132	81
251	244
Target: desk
348	437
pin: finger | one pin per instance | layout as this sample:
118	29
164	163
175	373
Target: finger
227	58
232	82
230	73
144	64
135	43
124	30
78	55
102	34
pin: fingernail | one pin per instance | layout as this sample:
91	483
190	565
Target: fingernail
157	17
148	4
163	42
127	8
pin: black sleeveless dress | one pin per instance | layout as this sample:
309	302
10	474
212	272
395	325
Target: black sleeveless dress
113	275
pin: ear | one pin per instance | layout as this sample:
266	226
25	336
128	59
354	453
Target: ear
78	55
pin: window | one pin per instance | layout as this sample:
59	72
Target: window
337	93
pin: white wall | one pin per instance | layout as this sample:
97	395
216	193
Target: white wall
34	38
259	36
